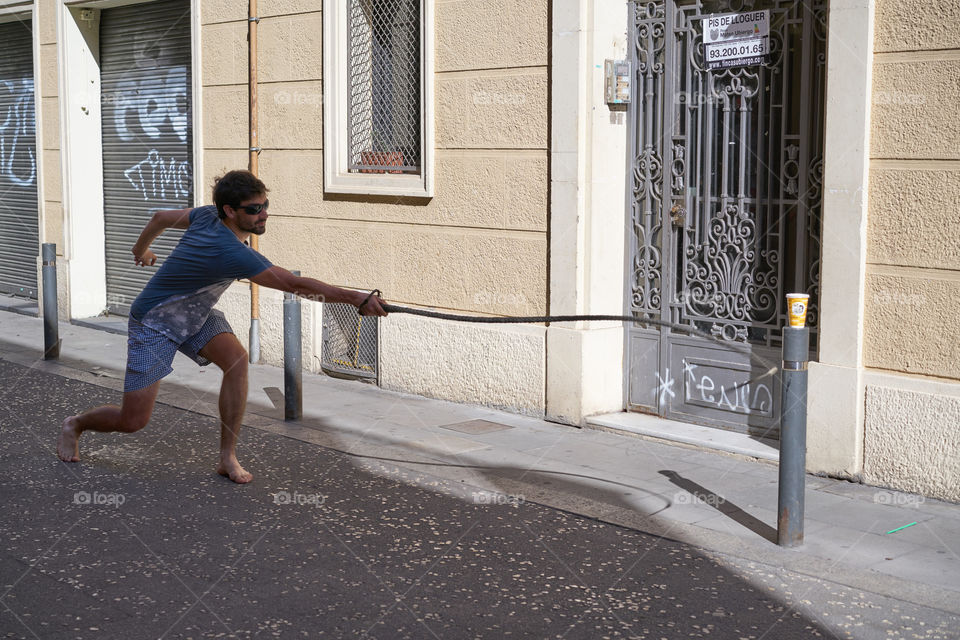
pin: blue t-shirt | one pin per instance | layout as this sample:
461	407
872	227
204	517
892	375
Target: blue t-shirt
208	258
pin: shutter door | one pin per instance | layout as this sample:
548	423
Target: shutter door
147	133
19	217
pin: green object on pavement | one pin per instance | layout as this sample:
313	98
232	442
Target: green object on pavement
903	527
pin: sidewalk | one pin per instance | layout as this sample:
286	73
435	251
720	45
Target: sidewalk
723	504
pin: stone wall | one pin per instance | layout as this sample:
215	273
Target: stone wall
912	285
913	254
478	246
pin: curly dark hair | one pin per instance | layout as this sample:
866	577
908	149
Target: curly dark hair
234	187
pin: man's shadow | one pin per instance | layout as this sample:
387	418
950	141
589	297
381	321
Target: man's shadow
722	505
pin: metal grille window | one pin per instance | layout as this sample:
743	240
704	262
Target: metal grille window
378	97
384	77
349	342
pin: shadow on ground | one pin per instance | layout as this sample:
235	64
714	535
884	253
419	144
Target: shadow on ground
143	539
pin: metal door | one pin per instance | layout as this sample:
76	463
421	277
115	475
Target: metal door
19	217
724	203
145	85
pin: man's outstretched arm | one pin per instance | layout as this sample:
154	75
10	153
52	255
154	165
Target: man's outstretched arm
279	278
160	222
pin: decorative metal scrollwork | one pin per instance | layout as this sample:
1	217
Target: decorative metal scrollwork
647	262
820	23
729	331
646	11
776	46
649	20
737	5
724	277
648	176
743	82
647	267
679	168
791	168
815	185
648	170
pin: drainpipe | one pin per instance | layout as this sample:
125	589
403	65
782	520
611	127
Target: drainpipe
252	20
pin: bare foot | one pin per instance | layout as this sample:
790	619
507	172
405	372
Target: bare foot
68	444
230	468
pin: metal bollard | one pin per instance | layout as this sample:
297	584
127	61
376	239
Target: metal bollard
51	328
254	340
292	370
793	436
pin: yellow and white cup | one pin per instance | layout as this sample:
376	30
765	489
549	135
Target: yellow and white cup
797	308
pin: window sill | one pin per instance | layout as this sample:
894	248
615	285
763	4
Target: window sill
379	184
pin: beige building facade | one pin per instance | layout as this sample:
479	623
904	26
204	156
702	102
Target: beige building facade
911	334
520	202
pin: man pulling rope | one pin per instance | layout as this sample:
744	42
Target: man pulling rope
174	312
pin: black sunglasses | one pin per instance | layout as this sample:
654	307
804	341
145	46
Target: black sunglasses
254	209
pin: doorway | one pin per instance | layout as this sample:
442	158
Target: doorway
724	208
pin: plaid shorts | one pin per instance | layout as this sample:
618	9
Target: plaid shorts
150	353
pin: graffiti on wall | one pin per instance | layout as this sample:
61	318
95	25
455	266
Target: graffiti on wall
144	107
153	110
701	389
157	179
18	162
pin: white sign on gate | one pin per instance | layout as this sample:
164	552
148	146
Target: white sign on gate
736	39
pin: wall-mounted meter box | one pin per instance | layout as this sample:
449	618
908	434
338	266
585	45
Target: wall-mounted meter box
616	81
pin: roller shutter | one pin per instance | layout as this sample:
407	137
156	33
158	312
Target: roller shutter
19	218
147	133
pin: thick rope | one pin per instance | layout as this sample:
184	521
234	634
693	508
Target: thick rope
771	369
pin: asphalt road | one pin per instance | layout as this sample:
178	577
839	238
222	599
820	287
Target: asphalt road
141	539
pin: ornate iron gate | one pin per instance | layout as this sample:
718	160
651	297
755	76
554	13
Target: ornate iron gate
724	206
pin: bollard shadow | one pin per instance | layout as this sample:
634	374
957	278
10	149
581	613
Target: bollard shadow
275	395
722	505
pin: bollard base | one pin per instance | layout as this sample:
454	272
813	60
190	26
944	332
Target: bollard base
53	352
787	535
254	340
